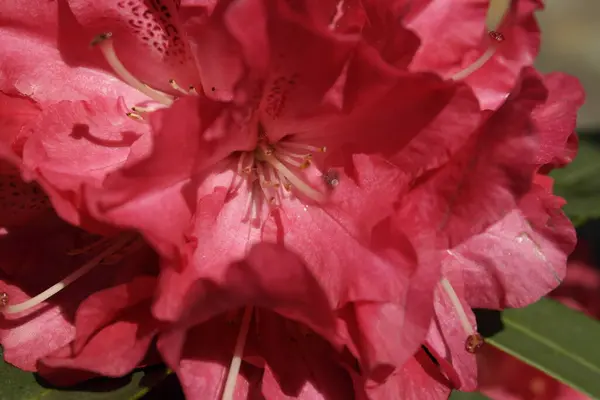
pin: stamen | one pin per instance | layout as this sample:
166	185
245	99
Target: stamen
105	43
51	291
289	160
302	146
294	180
497	37
193	91
175	86
474	339
140	109
236	361
474	342
134	116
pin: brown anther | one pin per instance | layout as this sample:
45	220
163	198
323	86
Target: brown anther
323	149
272	200
474	342
100	38
171	81
268	150
287	186
305	164
3	299
134	116
497	36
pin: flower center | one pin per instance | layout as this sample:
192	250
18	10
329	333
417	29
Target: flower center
273	171
109	251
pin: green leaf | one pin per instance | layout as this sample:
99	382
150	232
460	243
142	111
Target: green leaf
456	395
555	339
17	384
579	182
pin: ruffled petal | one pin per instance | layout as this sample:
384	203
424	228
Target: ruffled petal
74	145
520	258
114	330
488	176
556	119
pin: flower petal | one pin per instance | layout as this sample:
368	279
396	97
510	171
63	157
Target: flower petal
488	176
75	145
520	258
517	50
200	358
418	378
448	31
114	331
556	119
148	38
38	35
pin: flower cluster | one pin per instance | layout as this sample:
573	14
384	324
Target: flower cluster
286	199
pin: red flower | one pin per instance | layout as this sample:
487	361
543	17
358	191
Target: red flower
302	156
296	167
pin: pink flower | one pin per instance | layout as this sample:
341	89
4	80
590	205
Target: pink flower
306	155
522	256
301	168
505	377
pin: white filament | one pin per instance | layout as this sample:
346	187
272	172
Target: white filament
176	86
462	315
293	179
106	46
475	65
54	289
236	361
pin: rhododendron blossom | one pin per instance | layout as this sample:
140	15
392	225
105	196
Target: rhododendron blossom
334	174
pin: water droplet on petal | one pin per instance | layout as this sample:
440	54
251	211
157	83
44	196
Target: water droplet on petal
331	178
474	342
497	36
